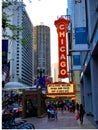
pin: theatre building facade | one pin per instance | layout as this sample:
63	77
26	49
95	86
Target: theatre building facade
89	73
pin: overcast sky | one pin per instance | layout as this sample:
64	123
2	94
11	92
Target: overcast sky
46	12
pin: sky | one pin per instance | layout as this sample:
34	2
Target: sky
46	12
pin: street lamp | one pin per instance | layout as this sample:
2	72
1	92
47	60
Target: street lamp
41	77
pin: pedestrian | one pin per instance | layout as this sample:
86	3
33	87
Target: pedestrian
48	112
73	107
52	114
62	107
82	112
55	113
77	106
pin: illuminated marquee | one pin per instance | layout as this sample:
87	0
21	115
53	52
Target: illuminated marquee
60	88
62	25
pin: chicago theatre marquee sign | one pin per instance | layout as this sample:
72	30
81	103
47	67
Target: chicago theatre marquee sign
61	89
62	25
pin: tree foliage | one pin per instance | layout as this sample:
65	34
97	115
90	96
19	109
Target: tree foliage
6	22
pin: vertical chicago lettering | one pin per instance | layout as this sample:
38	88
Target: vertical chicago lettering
62	25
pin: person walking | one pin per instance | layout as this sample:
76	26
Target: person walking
77	106
52	113
55	112
49	110
82	112
73	107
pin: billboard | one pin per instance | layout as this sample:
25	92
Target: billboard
60	88
62	25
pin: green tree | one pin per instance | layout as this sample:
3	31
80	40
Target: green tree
6	22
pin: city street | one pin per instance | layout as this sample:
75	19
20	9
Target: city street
49	64
66	120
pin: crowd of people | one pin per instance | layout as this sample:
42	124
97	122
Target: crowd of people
11	105
52	109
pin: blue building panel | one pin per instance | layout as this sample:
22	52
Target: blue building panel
76	59
4	51
80	35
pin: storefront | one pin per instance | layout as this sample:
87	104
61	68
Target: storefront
33	103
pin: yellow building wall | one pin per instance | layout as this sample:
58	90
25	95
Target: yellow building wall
76	79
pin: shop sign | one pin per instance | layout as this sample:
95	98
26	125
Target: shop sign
60	88
62	25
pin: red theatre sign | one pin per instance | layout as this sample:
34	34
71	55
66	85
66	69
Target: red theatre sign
62	25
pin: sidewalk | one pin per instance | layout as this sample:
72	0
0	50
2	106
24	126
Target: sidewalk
86	124
66	120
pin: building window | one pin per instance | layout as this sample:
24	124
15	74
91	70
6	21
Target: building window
76	59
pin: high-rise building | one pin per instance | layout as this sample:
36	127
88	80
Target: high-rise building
85	53
79	40
89	73
42	59
20	51
54	70
70	8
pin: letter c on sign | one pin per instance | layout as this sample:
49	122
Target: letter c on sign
61	27
62	49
